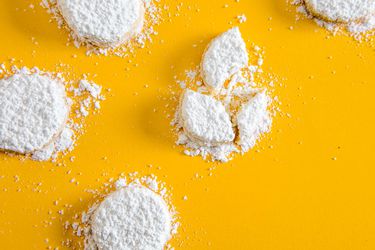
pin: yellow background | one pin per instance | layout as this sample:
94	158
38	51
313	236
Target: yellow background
292	194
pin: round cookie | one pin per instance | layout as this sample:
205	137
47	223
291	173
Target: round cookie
205	119
341	11
133	217
106	23
33	111
224	56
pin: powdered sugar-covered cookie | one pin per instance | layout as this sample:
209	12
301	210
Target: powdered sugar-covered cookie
341	10
106	23
205	119
253	120
133	217
33	111
224	56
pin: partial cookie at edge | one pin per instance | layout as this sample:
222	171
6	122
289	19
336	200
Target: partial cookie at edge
103	23
341	11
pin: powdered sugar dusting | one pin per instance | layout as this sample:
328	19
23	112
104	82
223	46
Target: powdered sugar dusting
253	120
133	217
80	97
141	208
103	23
246	104
225	55
341	10
122	46
356	17
33	110
205	119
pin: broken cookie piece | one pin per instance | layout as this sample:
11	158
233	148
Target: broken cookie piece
253	120
224	56
205	119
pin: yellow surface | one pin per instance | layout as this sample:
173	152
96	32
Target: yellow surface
310	186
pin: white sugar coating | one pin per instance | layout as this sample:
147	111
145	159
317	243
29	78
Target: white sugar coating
64	142
341	10
219	152
224	56
205	119
33	111
45	154
93	88
253	120
231	117
133	217
106	23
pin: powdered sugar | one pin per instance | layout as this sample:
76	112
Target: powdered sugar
91	87
220	152
205	119
225	55
137	215
239	114
45	106
354	16
250	122
341	10
64	142
253	120
131	218
113	33
103	23
33	111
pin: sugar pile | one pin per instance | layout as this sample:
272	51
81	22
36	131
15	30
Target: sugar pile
357	17
106	27
217	122
36	115
137	215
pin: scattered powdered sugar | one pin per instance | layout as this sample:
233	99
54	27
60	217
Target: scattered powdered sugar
91	87
137	215
42	101
238	114
102	27
357	17
219	152
242	18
